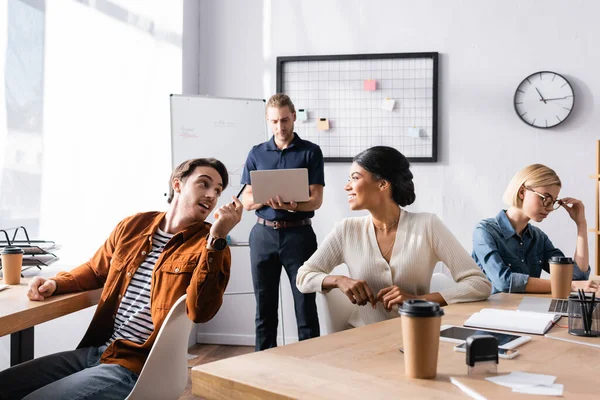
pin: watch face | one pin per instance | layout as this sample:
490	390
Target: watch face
544	99
219	243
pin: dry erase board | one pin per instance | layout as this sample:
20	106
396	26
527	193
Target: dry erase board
223	128
352	102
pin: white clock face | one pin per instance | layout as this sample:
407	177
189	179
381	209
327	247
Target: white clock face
544	99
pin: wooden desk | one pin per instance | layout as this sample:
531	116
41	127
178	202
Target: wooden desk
19	315
365	363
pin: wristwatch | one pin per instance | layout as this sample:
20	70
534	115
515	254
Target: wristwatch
217	243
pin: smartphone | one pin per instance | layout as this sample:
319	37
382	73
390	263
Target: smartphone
502	353
459	334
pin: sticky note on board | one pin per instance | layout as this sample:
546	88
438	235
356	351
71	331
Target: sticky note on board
302	115
323	124
388	104
370	84
416	132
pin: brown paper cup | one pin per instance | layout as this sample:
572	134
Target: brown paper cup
561	277
421	339
11	268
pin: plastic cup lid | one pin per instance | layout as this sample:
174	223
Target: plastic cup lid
561	260
420	308
12	250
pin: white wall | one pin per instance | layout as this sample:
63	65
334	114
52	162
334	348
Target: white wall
486	48
109	68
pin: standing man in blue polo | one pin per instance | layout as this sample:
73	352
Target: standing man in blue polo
283	234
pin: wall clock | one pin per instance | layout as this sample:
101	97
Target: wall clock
544	99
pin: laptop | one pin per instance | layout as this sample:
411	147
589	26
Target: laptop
289	184
544	305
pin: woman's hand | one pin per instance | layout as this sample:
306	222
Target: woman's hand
575	209
393	295
358	291
587	286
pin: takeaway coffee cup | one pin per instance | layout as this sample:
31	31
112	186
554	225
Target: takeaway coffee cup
12	261
421	321
561	276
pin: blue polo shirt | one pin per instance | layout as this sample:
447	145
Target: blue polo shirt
299	154
508	260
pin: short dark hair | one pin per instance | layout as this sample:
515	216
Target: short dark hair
387	163
186	168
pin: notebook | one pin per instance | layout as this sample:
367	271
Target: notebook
512	320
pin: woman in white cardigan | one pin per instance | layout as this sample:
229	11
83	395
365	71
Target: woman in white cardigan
390	253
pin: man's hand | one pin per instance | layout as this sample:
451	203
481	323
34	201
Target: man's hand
357	291
226	217
40	288
393	295
278	204
587	286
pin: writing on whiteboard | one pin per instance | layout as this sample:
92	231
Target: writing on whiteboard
223	124
188	132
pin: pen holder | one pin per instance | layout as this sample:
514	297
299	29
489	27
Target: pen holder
584	317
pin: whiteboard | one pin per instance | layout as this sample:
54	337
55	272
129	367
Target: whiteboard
223	128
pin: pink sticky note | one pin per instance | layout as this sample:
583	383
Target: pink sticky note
370	84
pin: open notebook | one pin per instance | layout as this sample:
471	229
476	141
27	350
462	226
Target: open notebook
512	320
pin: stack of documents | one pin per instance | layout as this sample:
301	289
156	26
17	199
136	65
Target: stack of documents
512	320
524	382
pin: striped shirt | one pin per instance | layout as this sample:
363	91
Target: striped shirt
134	321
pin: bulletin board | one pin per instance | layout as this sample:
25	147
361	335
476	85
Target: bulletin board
348	103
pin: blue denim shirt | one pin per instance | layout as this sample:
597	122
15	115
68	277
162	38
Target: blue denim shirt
507	259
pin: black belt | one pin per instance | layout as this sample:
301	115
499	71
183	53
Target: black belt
285	224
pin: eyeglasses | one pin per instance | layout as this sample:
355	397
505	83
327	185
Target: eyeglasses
547	201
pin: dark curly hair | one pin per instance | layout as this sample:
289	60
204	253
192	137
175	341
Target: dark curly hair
389	164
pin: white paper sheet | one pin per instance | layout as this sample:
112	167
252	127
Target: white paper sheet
518	379
554	390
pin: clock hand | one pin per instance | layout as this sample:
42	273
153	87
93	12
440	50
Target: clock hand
541	97
555	98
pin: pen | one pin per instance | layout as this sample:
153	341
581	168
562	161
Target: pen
240	192
592	310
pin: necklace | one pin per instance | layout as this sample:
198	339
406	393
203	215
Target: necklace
391	247
389	226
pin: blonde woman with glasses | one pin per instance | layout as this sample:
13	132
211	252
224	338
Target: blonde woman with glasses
512	252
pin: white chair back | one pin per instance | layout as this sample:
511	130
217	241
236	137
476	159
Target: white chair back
165	373
334	310
440	281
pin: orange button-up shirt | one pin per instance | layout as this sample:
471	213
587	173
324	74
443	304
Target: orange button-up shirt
184	266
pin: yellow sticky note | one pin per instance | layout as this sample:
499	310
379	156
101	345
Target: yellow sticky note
323	124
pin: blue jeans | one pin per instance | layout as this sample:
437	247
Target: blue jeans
269	250
69	375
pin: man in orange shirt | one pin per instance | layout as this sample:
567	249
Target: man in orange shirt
148	262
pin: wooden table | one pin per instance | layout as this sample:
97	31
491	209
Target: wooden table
364	363
19	315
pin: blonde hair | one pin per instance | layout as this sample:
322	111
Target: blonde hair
534	175
281	100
